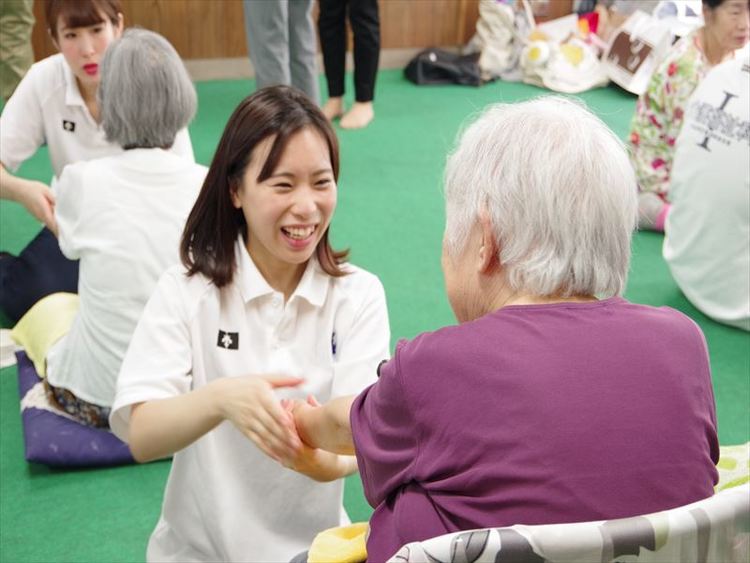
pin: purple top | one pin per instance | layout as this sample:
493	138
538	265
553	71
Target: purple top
537	414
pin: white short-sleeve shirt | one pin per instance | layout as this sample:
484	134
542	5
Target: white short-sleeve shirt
707	232
225	500
47	108
122	216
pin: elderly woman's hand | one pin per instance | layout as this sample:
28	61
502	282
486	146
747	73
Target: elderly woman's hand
317	464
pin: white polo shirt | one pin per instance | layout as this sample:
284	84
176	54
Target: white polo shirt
225	500
47	108
707	233
122	216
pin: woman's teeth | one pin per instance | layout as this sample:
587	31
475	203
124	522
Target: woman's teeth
298	233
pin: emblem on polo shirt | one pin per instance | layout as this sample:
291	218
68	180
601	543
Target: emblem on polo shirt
69	125
228	340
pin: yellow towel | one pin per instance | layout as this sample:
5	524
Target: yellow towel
345	544
44	324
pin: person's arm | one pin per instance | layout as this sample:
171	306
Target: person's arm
162	427
159	409
326	427
21	134
321	465
35	196
316	463
363	337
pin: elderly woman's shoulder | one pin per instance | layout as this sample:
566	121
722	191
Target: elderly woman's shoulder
684	56
440	346
662	319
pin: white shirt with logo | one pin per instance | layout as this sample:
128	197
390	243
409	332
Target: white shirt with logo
707	232
225	500
122	216
47	109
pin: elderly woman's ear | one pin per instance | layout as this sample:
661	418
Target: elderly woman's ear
488	249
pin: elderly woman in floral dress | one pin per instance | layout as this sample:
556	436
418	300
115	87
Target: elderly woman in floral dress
659	113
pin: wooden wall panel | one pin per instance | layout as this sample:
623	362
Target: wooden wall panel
40	39
205	29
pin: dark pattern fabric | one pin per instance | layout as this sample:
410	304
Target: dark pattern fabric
87	413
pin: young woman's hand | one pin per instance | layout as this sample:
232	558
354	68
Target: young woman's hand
249	403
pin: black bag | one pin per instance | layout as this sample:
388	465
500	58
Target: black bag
435	66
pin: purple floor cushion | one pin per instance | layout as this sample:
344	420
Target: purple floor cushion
56	440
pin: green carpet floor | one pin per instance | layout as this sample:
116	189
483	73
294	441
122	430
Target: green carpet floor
390	214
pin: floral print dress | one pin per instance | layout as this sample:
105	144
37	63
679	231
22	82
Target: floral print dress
660	110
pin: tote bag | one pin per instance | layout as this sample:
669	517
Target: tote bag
635	50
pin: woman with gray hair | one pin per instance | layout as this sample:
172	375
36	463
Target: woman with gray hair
122	217
554	399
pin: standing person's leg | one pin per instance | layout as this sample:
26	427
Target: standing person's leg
41	269
303	48
267	31
332	30
365	21
16	54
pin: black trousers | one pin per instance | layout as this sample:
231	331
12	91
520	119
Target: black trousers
41	269
365	22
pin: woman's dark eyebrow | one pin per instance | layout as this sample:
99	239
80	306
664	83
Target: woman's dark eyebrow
290	175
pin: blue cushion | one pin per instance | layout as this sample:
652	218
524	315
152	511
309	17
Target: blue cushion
58	441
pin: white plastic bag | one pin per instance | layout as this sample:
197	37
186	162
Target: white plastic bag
501	31
570	67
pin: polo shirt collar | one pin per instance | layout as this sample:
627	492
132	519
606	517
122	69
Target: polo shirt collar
313	286
72	93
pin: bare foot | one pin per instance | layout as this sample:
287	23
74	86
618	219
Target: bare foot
359	116
333	108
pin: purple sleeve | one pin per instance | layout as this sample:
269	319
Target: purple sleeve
385	434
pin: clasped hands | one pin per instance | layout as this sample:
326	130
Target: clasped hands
270	424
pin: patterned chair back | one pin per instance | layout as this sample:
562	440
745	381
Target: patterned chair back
716	529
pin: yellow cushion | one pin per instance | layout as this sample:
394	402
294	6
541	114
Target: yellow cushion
345	544
44	324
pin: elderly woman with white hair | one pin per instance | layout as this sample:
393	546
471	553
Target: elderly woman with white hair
122	216
554	399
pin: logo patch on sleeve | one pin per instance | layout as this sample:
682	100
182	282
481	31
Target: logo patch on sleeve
228	340
69	125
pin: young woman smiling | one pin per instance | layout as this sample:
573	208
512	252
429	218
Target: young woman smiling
262	309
